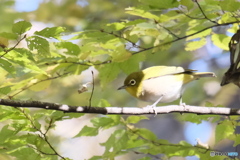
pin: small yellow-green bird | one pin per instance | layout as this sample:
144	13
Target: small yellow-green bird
161	83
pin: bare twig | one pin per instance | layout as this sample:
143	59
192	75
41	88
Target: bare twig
90	99
124	110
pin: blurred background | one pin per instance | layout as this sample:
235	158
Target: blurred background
80	15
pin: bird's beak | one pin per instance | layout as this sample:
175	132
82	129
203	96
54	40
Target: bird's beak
123	87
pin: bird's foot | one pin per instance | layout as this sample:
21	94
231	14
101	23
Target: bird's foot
152	108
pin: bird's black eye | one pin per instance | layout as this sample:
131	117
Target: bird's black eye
132	82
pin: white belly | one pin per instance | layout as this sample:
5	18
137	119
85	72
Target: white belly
166	86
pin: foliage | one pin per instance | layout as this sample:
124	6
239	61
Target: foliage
153	27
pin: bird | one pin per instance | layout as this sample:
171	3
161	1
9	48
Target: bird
162	84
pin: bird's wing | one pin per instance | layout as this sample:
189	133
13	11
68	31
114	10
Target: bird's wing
157	71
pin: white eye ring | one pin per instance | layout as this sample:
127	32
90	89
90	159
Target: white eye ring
132	82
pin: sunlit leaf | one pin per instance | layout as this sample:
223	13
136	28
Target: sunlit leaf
193	45
221	41
88	131
53	32
21	27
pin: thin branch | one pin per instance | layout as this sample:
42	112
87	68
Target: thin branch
205	16
41	152
157	143
168	30
150	155
184	37
121	37
90	99
26	87
122	111
42	135
146	49
49	127
190	16
88	63
10	49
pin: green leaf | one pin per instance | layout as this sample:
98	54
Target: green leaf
103	103
145	158
145	133
9	35
224	130
226	17
5	90
87	131
24	151
142	12
191	118
72	49
135	119
108	73
40	44
6	133
199	35
162	4
187	3
96	158
21	27
120	54
7	66
24	58
102	122
57	115
53	32
229	5
193	45
221	41
115	144
236	139
132	64
115	26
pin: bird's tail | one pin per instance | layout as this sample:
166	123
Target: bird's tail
204	74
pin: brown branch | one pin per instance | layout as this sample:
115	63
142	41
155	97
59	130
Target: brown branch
90	99
41	135
26	87
205	16
184	37
190	16
121	37
41	152
12	48
122	111
168	30
201	149
88	63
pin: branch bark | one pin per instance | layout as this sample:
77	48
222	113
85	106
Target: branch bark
122	110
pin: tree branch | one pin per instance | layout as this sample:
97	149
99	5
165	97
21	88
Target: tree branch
12	48
205	16
184	37
124	110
